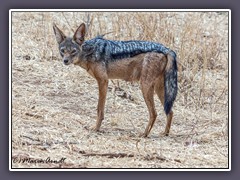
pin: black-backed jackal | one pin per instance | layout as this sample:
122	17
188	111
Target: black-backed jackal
153	64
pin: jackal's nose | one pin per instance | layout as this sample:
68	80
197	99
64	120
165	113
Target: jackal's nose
65	61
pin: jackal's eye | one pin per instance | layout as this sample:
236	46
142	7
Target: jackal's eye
74	51
62	50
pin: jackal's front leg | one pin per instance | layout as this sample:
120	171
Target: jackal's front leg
102	85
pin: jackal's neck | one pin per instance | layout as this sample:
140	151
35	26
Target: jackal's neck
82	63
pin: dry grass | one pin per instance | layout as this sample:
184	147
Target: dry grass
54	105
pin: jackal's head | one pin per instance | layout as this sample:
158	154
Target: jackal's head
70	48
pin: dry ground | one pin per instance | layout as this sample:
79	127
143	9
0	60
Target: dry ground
54	106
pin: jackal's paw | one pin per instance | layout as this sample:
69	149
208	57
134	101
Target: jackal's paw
94	128
164	134
143	135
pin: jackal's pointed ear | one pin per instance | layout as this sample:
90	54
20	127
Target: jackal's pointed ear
59	34
80	34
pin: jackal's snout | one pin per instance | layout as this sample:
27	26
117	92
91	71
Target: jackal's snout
66	61
71	58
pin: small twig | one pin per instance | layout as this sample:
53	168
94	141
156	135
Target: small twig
110	155
30	138
102	35
137	145
88	22
33	115
220	96
154	157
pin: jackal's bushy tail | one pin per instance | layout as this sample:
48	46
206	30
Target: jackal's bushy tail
170	82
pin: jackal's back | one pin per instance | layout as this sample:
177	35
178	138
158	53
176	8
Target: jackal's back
100	49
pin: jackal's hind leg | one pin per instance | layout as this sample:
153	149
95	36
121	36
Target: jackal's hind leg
148	92
159	89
